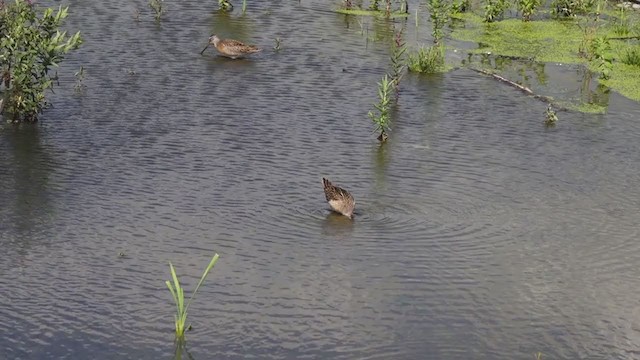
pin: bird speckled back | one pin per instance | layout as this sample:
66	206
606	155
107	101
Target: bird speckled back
339	199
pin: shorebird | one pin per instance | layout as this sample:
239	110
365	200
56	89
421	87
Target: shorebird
339	199
230	48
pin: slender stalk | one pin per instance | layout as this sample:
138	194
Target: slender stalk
177	292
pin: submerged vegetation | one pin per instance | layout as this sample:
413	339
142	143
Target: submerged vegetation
550	117
158	9
225	5
30	45
177	292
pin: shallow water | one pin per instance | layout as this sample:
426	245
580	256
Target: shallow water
479	233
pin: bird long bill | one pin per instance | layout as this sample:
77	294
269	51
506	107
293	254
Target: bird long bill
205	48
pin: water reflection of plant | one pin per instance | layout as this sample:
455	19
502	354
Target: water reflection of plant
398	62
30	44
181	350
177	292
598	97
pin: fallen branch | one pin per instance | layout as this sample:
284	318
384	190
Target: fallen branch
526	90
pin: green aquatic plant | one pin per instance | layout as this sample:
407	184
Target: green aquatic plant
427	61
571	8
460	6
158	8
621	26
602	56
177	292
244	6
225	5
278	41
381	117
439	11
494	9
527	8
631	57
30	45
374	9
550	117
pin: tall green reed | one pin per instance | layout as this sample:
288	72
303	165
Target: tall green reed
381	117
177	292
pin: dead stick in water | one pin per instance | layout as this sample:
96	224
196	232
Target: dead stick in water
522	88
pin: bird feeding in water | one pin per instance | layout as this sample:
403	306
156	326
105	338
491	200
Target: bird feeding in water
339	199
230	48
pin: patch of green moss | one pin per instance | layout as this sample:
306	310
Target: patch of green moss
379	13
625	79
547	41
584	107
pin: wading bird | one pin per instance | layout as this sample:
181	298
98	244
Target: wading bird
230	48
339	199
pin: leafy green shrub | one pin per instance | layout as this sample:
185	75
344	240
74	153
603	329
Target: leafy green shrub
603	56
29	46
427	61
460	6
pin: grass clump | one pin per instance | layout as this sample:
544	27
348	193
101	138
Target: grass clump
631	57
177	292
427	60
381	117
